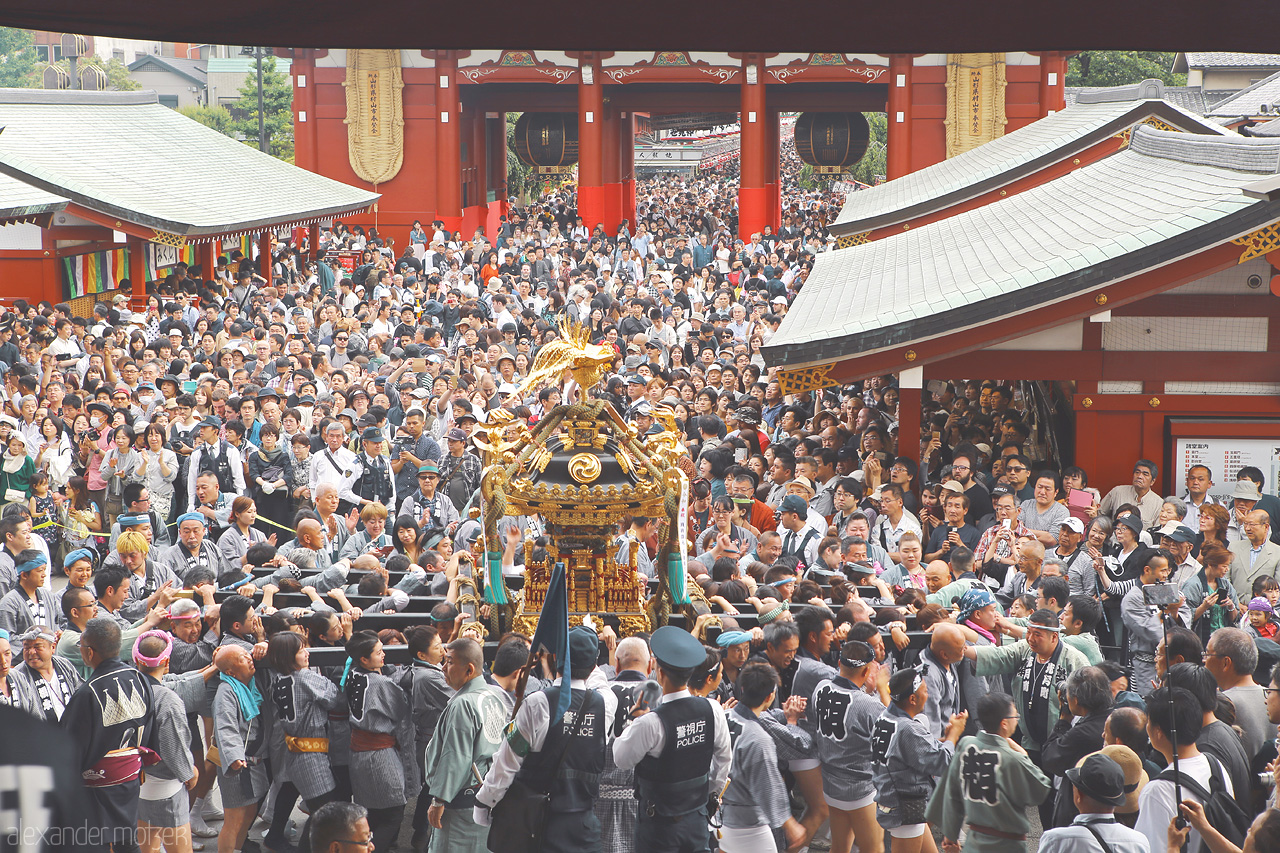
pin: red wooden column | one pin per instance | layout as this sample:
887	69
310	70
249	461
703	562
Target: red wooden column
306	136
611	168
448	142
478	193
209	259
592	206
898	157
773	160
137	273
264	255
1053	73
753	192
313	241
628	153
496	128
910	383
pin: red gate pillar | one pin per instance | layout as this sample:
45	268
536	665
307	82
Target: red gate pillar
629	168
773	158
753	192
591	191
448	143
473	216
497	130
611	167
898	157
1053	74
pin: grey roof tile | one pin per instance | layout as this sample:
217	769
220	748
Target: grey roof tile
1006	158
18	199
124	155
1164	185
1250	101
1190	98
1225	59
192	69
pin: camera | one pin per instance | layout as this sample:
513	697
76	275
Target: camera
1160	594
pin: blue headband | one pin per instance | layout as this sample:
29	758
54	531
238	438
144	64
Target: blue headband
732	638
34	563
76	555
191	516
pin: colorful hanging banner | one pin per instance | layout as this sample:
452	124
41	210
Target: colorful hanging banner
94	272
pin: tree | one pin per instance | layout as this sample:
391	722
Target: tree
277	100
218	118
1121	68
873	166
18	65
520	177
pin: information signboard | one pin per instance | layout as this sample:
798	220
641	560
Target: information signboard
1225	457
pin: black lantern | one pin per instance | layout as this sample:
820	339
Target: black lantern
832	142
547	141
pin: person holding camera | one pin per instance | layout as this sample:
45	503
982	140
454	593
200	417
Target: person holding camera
1143	609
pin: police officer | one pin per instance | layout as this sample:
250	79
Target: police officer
680	752
563	757
375	482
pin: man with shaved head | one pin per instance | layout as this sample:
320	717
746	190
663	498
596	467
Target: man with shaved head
937	575
239	732
946	650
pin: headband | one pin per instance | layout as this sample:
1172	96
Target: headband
191	516
770	615
158	659
32	564
916	680
132	520
39	632
77	555
732	638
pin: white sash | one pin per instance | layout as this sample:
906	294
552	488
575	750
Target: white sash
158	789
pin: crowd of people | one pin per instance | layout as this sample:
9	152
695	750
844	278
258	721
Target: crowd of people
910	641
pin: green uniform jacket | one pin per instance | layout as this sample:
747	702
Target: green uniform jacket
1008	660
989	783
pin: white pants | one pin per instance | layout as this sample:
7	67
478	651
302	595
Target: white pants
756	839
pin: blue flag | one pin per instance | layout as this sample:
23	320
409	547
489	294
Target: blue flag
552	634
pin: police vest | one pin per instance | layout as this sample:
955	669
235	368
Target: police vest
674	782
574	780
220	467
374	482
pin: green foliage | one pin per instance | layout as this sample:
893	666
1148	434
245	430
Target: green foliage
18	65
218	118
1122	68
520	177
277	101
873	166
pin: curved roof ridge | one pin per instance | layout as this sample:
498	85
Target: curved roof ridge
1148	90
1238	153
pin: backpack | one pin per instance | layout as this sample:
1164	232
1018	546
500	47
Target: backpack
1221	809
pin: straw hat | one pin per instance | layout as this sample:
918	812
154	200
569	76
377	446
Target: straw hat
1135	778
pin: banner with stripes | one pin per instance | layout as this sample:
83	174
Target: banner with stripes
94	272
